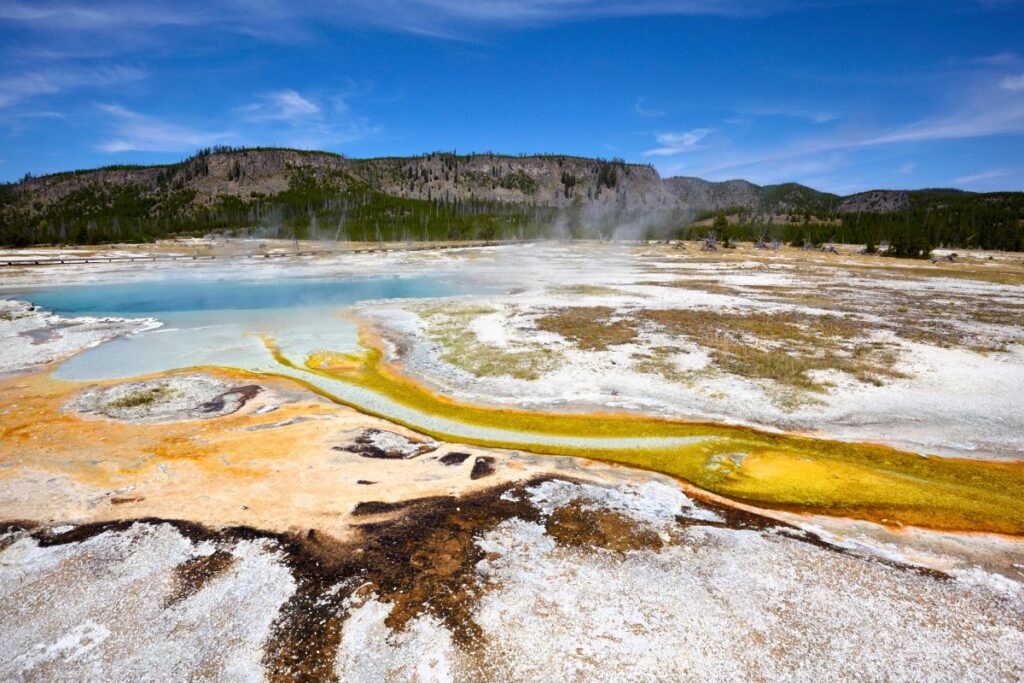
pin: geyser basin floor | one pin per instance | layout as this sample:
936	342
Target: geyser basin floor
472	563
217	323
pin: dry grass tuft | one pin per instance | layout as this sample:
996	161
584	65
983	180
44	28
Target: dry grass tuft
782	347
450	327
593	290
703	284
142	397
591	328
659	362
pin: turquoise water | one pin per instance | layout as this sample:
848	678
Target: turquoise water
153	298
219	323
209	322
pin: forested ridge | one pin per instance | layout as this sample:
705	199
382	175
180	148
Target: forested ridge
935	218
445	196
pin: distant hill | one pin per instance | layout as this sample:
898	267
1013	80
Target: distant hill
705	195
876	201
285	192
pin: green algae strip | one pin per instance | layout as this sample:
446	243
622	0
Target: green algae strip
782	471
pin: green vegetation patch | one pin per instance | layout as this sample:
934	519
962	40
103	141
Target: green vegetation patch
592	290
451	328
782	347
142	397
660	361
591	328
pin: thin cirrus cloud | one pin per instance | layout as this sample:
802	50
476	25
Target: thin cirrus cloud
135	132
101	15
442	18
461	20
983	176
678	143
284	105
284	117
812	115
1012	83
553	10
302	121
51	81
642	109
993	112
998	59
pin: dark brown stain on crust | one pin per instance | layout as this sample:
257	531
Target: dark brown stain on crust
375	507
192	575
577	525
483	467
121	500
244	393
419	556
12	531
451	459
421	559
364	446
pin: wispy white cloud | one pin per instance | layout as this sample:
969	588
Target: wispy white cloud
50	81
89	16
298	120
284	105
440	18
284	117
678	143
812	115
982	176
994	119
135	132
998	59
907	168
990	111
548	11
642	109
1012	83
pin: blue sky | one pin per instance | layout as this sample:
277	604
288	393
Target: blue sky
844	95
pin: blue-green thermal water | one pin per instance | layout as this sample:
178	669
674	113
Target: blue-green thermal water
219	323
210	322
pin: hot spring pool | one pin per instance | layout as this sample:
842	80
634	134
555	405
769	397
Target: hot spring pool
217	322
220	323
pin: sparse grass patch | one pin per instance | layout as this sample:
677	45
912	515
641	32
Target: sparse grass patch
1003	274
592	290
925	316
781	347
451	328
659	362
706	285
142	397
591	328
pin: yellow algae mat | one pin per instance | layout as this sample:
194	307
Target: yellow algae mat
783	471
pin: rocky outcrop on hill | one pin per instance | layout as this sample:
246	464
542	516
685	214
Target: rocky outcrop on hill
546	180
241	173
552	181
876	201
704	195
